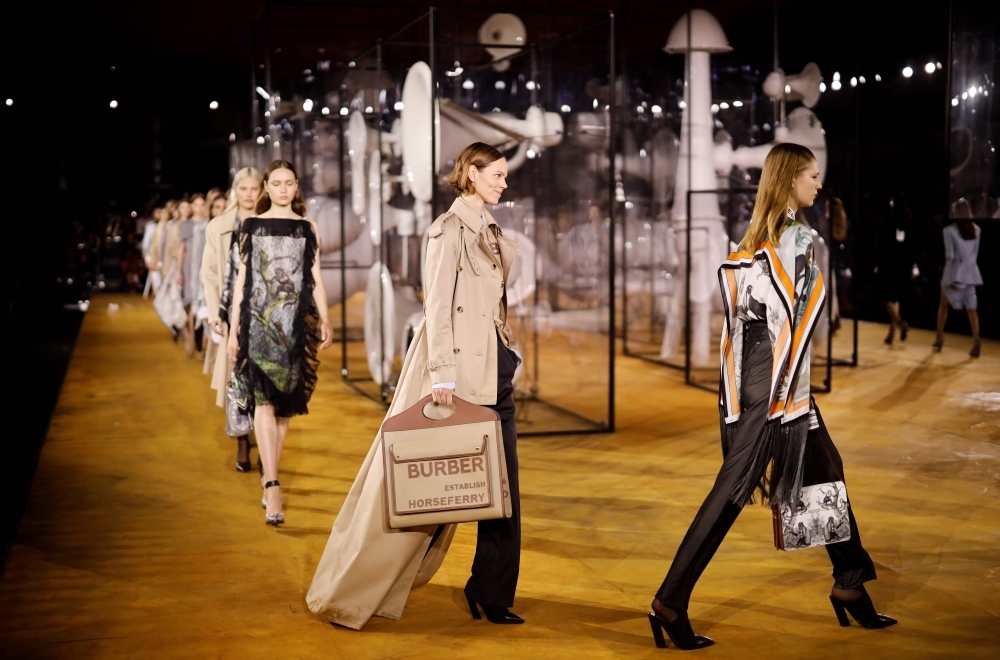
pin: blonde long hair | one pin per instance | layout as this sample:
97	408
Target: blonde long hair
784	162
231	201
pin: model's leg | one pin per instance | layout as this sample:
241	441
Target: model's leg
974	322
718	513
266	428
894	321
497	562
942	318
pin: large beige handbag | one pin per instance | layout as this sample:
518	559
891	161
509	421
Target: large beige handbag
442	470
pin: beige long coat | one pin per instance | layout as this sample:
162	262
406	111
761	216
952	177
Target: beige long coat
218	238
367	569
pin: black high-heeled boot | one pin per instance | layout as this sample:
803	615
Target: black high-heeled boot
494	614
863	611
680	633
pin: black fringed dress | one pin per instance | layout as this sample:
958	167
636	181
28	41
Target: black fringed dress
279	323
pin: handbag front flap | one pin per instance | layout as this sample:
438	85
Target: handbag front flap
439	469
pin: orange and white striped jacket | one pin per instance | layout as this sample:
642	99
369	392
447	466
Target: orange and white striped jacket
794	302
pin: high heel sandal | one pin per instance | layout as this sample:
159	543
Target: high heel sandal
892	335
494	614
680	633
977	348
863	611
938	343
903	329
273	518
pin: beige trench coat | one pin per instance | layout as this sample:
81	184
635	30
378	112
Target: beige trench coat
218	238
367	569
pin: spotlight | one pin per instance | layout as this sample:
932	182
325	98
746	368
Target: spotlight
214	105
715	108
10	102
325	110
499	85
640	109
861	79
595	104
531	86
657	109
344	112
113	104
565	108
907	72
878	78
929	67
822	87
854	82
724	105
468	84
954	101
530	153
972	91
835	85
260	140
307	105
368	110
836	76
264	95
232	137
398	106
681	104
739	104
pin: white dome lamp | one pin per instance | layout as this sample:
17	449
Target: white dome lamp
709	245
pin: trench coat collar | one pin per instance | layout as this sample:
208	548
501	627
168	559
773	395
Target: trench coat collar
227	220
508	248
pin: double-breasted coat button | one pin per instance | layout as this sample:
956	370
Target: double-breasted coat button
460	310
456	350
494	266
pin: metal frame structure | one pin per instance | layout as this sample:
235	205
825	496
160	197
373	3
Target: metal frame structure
384	394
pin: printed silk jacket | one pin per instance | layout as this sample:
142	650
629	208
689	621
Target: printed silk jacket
794	303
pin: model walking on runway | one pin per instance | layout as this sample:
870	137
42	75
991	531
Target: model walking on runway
961	273
279	316
465	348
219	269
773	294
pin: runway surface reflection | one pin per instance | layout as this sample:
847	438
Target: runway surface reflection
141	541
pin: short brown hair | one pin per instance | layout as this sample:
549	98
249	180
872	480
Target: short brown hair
478	154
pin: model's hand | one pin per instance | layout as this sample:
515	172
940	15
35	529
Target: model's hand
442	395
232	347
180	278
217	327
326	335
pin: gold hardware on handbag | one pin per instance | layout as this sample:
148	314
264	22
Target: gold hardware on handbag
444	470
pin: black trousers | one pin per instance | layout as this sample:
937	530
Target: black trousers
852	566
498	547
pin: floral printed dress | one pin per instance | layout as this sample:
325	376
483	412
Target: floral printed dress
279	323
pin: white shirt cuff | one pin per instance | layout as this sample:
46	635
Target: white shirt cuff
449	386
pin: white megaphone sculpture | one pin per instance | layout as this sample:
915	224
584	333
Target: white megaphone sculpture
801	126
696	171
456	128
500	30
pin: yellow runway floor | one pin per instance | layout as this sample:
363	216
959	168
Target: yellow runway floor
140	540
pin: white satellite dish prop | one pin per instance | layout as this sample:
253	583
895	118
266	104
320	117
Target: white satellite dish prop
502	30
357	146
456	128
380	323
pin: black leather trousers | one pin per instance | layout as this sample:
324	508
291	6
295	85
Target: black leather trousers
498	548
852	566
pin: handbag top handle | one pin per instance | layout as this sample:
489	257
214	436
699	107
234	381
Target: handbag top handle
414	418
